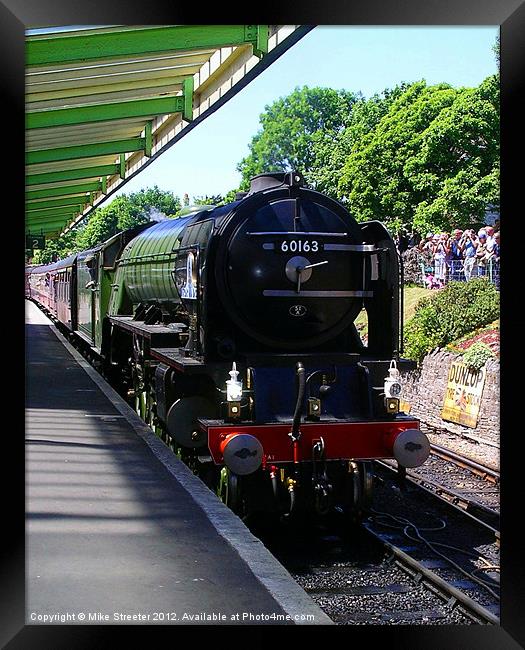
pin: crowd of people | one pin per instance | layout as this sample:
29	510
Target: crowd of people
459	256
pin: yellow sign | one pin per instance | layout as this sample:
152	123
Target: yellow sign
463	395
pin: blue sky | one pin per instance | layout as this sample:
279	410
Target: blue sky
367	59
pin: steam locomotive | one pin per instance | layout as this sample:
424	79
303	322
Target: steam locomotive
232	331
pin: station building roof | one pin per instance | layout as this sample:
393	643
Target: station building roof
104	102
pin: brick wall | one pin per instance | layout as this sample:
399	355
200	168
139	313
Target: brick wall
424	389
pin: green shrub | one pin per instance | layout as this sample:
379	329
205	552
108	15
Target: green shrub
454	311
477	355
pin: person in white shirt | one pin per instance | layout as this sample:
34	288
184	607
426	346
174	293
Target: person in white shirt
490	238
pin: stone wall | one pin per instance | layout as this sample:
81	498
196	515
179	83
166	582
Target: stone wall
424	389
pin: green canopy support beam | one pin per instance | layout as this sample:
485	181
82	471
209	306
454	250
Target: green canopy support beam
55	212
87	114
87	150
187	93
258	35
55	223
49	230
52	228
104	185
122	166
54	203
148	139
73	174
61	218
80	188
53	216
121	43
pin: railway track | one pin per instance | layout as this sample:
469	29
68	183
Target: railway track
477	501
484	472
487	470
460	548
416	559
360	577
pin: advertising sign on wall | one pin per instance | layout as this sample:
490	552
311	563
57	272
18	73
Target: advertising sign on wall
463	395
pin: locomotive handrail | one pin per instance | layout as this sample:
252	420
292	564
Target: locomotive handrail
298	232
139	258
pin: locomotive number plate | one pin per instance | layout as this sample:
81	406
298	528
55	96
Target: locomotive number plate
299	246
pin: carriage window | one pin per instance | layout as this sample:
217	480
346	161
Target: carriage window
110	254
92	265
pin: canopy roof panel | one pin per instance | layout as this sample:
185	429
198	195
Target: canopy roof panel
104	102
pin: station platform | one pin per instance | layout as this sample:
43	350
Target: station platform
118	530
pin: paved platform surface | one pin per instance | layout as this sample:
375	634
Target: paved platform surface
118	527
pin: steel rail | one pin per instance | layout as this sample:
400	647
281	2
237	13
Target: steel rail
443	587
438	491
463	461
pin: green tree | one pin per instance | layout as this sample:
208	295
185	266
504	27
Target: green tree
496	49
292	127
56	249
124	212
142	203
331	153
431	162
102	225
229	197
212	199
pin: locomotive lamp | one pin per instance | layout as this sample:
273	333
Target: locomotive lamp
393	381
234	386
392	389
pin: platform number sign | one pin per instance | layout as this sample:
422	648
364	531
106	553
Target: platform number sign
35	241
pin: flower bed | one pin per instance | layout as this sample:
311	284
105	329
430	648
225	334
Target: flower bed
490	338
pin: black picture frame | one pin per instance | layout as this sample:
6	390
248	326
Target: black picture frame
18	15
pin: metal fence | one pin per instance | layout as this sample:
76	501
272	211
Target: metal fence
439	273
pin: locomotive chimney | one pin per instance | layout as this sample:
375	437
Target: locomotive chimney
275	179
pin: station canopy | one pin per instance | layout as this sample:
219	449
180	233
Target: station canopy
104	102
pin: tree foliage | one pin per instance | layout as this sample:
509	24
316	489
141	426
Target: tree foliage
432	162
415	156
125	211
292	128
212	199
331	153
56	249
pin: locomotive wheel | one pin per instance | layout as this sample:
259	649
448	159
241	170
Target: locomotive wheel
367	484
